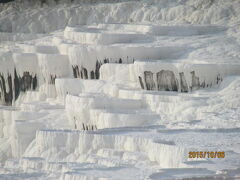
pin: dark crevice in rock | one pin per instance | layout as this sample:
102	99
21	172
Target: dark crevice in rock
148	77
34	82
92	75
195	81
166	81
203	84
106	60
52	79
84	126
6	97
9	94
183	82
85	73
81	75
82	72
76	72
141	82
88	127
24	83
219	79
97	73
120	61
16	84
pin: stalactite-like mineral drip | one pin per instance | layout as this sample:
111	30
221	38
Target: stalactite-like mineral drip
183	82
166	81
148	76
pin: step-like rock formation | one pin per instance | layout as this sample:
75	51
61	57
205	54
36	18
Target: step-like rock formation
162	76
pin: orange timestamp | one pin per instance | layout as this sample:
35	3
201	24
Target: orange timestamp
206	154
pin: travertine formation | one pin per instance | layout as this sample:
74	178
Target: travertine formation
99	101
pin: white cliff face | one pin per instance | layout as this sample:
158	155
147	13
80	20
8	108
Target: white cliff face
119	90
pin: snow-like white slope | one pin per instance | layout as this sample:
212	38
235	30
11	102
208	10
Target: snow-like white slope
37	19
100	99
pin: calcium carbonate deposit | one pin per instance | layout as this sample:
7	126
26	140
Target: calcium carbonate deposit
120	89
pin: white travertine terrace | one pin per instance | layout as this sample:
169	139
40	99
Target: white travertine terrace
119	90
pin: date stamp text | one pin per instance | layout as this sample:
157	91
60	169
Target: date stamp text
206	154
